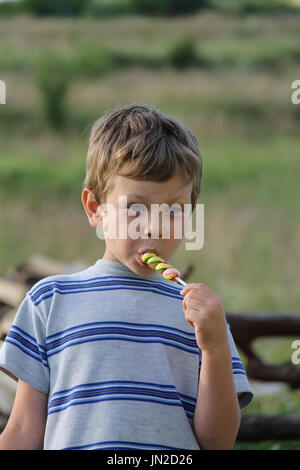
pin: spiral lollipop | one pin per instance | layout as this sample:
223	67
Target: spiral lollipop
160	265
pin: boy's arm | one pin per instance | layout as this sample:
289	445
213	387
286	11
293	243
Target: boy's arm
26	425
217	414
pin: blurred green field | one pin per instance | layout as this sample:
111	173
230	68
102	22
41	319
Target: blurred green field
235	96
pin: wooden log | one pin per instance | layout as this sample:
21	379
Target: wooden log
269	427
6	321
11	293
39	267
245	327
254	325
286	372
3	421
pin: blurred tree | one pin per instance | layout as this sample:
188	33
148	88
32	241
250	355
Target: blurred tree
56	7
184	54
54	78
167	7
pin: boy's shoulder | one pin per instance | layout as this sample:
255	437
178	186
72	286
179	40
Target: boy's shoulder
47	286
52	296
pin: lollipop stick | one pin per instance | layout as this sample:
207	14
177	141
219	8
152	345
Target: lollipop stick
180	281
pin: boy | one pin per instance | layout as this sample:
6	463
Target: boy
115	356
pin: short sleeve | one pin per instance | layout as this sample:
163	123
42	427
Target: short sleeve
23	353
244	392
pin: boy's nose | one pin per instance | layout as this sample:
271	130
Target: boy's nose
152	227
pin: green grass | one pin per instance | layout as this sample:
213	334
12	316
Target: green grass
237	104
268	445
262	42
267	168
19	177
227	166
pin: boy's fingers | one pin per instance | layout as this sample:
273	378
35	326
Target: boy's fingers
187	288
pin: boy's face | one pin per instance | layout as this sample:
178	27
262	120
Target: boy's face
141	232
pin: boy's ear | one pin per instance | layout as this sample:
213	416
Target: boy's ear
92	207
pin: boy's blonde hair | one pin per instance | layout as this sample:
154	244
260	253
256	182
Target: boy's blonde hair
140	142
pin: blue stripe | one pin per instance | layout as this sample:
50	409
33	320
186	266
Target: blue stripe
118	338
100	331
26	343
237	366
121	445
236	358
118	390
18	338
104	280
189	401
8	340
26	339
119	323
128	398
41	285
235	372
36	303
113	382
112	389
120	283
24	333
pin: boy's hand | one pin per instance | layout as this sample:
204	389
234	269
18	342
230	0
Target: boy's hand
204	311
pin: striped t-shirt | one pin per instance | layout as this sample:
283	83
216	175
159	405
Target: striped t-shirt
116	356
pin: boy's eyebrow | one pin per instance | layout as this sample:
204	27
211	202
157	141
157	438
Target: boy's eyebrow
135	196
138	196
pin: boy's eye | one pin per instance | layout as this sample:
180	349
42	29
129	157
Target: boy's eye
134	208
175	209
